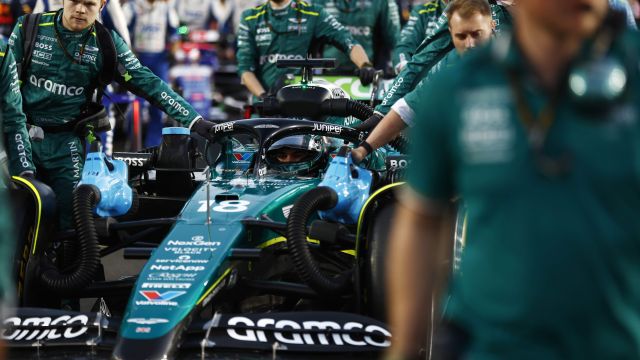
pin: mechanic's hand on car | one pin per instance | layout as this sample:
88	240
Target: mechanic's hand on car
367	74
202	127
358	154
371	122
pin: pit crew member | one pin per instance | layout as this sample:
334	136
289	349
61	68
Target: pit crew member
423	22
548	170
286	29
60	81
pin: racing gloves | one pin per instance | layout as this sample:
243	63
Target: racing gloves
366	74
202	127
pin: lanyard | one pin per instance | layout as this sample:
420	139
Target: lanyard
537	130
63	45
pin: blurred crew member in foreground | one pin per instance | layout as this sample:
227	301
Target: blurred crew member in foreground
542	144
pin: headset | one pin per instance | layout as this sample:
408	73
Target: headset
600	80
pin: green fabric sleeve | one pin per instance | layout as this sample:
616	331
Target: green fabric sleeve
144	83
430	173
247	49
331	31
428	54
390	21
17	140
410	37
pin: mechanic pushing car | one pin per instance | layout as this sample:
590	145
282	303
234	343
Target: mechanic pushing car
368	21
470	25
71	57
423	22
286	29
543	145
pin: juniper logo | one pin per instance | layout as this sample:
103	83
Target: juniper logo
55	88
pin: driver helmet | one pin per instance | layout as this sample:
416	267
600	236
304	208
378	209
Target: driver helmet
299	154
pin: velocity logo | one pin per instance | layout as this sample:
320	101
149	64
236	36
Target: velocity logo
157	296
243	156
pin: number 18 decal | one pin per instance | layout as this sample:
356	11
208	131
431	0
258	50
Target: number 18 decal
226	206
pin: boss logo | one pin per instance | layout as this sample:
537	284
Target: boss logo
135	162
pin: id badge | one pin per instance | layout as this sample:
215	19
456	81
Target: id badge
36	133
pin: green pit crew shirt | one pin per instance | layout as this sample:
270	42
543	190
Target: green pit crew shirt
12	117
551	265
404	107
266	36
430	51
56	86
423	22
365	20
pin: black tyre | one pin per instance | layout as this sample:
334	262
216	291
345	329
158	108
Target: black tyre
375	266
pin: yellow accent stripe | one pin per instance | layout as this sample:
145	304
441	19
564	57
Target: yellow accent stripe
1	53
426	11
50	13
213	286
312	13
281	239
30	186
364	208
46	24
251	17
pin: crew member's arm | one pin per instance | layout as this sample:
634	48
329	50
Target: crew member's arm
420	232
387	130
250	80
247	56
430	51
143	82
14	121
331	31
413	258
412	34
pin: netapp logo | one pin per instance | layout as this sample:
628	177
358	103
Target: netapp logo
69	327
246	332
55	88
177	268
327	128
174	104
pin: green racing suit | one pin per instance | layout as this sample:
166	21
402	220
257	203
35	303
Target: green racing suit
364	19
59	82
266	35
423	22
429	53
13	119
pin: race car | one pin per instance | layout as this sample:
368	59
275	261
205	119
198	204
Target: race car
245	252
